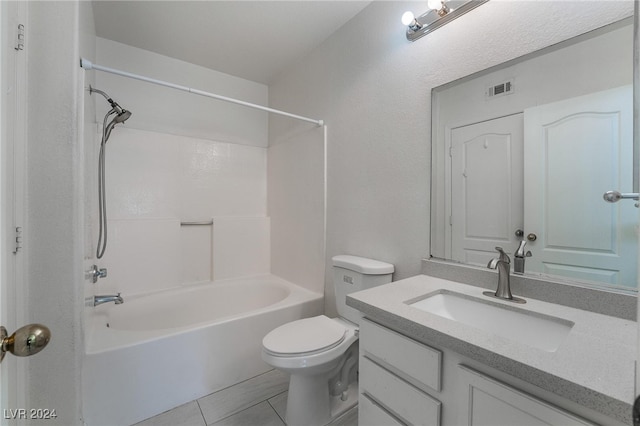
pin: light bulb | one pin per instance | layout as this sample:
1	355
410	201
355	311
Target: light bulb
434	4
407	18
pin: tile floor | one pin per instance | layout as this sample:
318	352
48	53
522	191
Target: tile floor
259	401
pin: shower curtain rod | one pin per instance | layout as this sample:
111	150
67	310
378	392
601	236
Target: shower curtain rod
88	65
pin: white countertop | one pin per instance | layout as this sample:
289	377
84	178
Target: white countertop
594	366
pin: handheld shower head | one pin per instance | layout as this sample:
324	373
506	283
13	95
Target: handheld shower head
122	116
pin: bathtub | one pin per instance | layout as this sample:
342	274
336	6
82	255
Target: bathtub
159	350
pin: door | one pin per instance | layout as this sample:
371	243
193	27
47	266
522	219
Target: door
486	188
636	143
12	133
573	232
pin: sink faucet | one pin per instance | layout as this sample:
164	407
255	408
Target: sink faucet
503	265
519	256
99	300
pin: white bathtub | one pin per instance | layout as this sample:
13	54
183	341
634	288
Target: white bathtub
160	350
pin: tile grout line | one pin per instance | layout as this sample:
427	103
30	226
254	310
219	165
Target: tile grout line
244	409
274	408
197	400
266	399
204	420
236	384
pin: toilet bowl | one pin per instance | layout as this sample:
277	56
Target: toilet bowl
321	353
314	351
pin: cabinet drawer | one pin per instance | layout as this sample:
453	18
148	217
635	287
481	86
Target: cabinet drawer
401	399
370	414
415	360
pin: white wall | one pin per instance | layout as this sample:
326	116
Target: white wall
85	79
54	224
166	110
296	204
372	87
180	157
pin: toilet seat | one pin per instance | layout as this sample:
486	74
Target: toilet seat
305	337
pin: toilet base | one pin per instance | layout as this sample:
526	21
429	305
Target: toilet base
309	402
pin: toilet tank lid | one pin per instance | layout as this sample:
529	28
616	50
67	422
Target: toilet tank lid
362	265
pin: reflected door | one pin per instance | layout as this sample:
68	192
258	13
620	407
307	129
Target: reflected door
486	188
576	150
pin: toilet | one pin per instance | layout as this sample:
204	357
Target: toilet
321	353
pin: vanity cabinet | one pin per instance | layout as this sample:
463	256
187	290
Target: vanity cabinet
394	377
486	401
405	382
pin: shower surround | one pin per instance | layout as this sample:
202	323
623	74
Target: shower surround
156	184
182	159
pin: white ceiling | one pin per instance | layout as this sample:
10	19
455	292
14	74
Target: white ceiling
255	40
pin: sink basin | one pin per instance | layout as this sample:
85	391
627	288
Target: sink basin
533	329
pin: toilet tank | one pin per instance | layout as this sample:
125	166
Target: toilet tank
353	273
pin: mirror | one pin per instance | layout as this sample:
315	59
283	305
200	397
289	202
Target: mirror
524	151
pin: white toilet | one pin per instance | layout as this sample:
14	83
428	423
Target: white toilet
321	353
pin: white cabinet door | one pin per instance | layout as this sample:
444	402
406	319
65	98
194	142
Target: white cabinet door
486	188
488	402
576	150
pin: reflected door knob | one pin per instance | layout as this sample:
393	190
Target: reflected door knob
532	237
615	196
26	341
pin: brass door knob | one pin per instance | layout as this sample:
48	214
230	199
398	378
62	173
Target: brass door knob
532	237
26	341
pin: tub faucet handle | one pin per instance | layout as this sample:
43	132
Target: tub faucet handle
94	273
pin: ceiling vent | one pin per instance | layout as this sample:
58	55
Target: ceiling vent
501	89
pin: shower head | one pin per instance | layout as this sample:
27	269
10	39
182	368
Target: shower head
122	116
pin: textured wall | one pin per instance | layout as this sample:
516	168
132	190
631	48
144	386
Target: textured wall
296	204
53	231
373	89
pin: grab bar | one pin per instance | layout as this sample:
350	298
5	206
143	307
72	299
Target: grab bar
203	223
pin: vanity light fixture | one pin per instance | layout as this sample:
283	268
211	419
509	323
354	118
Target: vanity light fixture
409	20
440	13
439	6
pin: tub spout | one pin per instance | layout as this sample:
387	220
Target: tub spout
99	300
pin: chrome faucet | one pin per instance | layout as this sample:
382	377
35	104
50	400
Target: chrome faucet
503	265
94	273
519	256
99	300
